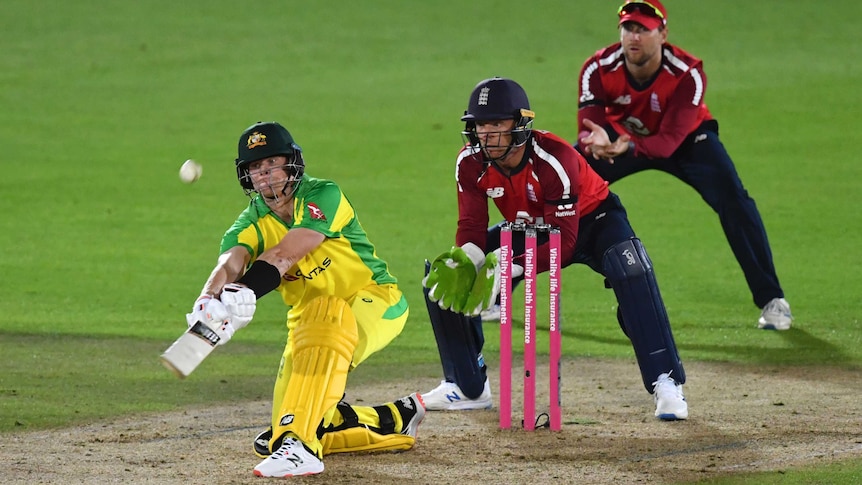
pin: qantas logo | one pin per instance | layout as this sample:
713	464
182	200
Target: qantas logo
311	274
315	212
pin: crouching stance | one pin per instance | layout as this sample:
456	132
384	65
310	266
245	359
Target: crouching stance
536	177
301	237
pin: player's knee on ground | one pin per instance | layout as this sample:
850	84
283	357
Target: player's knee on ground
323	346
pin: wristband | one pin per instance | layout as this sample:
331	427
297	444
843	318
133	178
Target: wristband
261	278
631	147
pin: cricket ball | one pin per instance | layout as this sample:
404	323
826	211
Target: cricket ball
190	171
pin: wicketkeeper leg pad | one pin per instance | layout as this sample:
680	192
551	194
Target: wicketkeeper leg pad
459	341
629	271
323	346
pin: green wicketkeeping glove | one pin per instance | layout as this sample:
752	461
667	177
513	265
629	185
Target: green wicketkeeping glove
451	277
486	287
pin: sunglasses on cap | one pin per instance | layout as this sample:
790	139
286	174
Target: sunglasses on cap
643	7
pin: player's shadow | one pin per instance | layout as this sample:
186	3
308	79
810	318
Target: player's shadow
802	347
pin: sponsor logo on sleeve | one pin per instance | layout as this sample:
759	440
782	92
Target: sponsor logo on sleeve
315	212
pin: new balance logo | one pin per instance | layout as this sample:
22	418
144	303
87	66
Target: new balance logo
627	99
495	192
454	397
286	419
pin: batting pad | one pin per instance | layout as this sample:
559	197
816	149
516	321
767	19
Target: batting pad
323	346
364	428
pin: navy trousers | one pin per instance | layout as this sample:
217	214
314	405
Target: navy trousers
703	163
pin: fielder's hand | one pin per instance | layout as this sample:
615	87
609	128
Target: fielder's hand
214	315
240	302
598	143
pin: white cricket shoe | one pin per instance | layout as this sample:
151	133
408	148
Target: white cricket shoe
449	397
670	404
775	315
292	459
492	314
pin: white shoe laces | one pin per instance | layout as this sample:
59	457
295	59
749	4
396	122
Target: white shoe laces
665	379
777	307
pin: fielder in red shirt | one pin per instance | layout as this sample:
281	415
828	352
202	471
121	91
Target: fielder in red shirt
641	106
535	177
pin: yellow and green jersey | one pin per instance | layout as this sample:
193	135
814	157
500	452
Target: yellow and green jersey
343	264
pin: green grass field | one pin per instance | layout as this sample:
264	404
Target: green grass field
104	250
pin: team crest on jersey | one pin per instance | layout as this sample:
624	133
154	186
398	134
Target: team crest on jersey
256	139
653	103
531	193
495	192
315	212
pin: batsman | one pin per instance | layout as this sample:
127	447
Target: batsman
536	177
300	236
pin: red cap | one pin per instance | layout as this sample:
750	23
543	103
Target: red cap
650	14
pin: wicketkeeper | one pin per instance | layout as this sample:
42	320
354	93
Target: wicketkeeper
301	237
535	177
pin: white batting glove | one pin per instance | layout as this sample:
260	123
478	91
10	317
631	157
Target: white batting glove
240	302
213	314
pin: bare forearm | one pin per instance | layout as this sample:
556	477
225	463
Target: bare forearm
295	245
227	270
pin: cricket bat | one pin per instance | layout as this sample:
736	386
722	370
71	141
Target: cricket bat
188	351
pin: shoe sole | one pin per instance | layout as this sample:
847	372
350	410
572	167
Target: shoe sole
671	417
456	407
259	474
